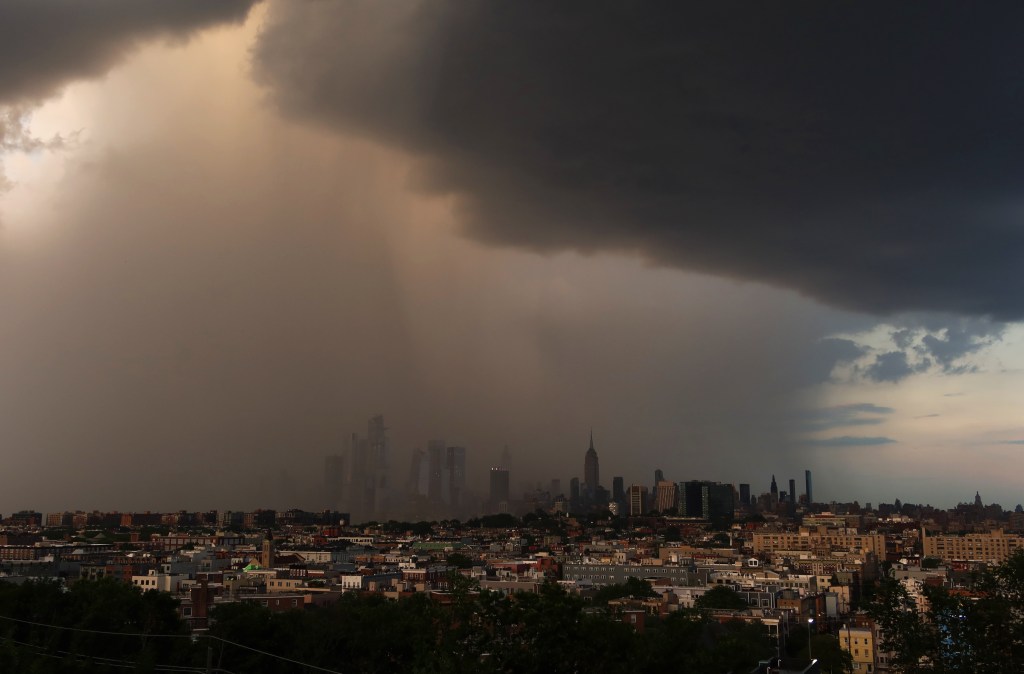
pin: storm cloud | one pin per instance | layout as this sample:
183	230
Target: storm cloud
867	155
45	45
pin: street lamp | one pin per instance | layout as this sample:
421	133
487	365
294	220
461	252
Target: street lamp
810	622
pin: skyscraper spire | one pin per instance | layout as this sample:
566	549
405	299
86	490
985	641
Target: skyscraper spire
591	471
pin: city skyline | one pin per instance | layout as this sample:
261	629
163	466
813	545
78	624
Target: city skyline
232	233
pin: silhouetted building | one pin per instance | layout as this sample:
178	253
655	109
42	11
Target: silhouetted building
376	435
744	494
455	465
618	489
334	480
774	491
792	490
499	494
807	487
712	501
419	473
591	471
437	487
574	494
637	500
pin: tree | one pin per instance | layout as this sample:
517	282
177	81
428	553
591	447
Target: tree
459	561
959	632
824	647
633	587
723	597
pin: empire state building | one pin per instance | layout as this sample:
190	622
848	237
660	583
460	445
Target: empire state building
591	472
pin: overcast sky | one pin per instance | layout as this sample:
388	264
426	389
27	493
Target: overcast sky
736	240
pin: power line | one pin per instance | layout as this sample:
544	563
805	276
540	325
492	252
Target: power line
109	662
151	635
88	631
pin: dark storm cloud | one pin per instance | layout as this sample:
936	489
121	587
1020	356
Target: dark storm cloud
889	367
866	154
45	44
850	441
840	416
958	340
824	355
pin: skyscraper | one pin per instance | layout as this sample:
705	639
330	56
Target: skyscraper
618	490
376	435
437	484
744	494
637	500
499	490
807	479
792	490
666	497
334	480
775	491
455	464
419	473
591	471
712	501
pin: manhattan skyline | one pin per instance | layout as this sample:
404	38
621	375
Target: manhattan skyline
734	242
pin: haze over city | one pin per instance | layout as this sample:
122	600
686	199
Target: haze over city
734	241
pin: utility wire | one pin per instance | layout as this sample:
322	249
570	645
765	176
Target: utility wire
173	636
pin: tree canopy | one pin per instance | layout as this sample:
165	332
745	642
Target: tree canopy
721	596
960	632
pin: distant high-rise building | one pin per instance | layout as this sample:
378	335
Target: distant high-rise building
659	475
618	490
792	490
774	491
437	485
361	483
666	497
810	495
556	487
591	471
419	473
744	494
455	464
712	501
499	490
334	480
637	500
574	493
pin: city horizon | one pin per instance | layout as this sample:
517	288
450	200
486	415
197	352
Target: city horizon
231	233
